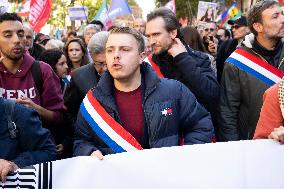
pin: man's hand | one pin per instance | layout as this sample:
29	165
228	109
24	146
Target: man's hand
176	48
212	47
5	168
277	134
45	114
27	102
97	154
59	149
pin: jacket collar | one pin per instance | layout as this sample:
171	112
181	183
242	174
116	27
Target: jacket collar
249	40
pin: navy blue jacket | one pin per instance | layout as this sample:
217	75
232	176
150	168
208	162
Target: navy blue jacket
32	144
188	117
193	69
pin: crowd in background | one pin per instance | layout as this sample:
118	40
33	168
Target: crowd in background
200	58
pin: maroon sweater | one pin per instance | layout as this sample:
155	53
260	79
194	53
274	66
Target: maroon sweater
129	105
13	86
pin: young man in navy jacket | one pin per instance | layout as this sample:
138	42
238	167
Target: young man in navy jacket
155	112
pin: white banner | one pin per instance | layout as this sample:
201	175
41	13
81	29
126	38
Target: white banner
233	165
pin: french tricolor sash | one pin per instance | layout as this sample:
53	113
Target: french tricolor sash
255	66
109	130
154	66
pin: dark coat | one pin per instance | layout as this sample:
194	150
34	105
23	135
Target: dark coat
82	80
36	51
225	50
32	144
241	98
193	69
188	116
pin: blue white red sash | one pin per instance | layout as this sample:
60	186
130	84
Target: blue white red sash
154	66
255	66
109	130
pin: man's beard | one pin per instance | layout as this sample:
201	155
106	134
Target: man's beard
162	52
14	58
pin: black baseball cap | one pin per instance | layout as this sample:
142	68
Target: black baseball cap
242	21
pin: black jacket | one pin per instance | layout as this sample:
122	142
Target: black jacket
82	80
188	116
225	50
193	69
241	98
36	51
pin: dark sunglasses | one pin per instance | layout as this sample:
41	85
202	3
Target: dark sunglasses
207	29
235	27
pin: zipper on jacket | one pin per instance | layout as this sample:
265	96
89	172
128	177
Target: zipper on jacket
145	116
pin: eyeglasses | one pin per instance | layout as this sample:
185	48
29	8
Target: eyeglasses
207	29
100	64
235	27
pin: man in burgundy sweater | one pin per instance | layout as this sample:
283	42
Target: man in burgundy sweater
16	79
143	110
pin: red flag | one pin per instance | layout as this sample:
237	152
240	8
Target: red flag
39	13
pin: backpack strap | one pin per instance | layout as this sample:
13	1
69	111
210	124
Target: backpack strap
9	112
37	76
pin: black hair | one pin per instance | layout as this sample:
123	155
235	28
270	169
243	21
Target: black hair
10	17
83	46
97	22
51	57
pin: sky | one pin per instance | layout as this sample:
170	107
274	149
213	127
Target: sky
146	5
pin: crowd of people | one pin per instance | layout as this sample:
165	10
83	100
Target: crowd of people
154	85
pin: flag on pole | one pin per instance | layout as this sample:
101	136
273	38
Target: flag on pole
23	9
232	13
171	5
118	8
39	13
102	13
